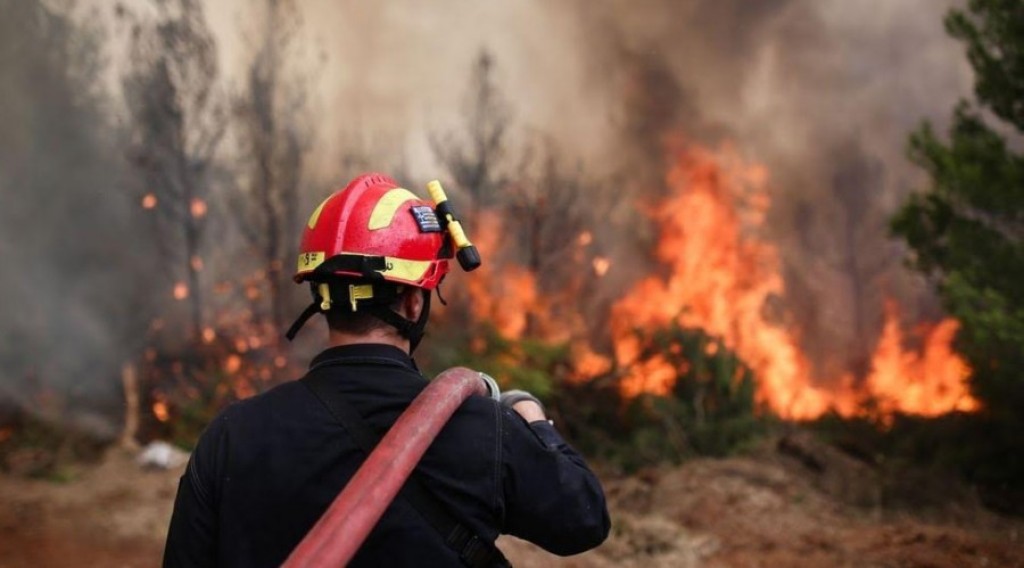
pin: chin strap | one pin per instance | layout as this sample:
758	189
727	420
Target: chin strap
310	311
411	330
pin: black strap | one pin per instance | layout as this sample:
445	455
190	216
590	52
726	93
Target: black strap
310	311
368	267
473	550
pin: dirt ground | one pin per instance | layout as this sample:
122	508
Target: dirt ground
766	510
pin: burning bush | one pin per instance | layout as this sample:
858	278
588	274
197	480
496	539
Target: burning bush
188	383
709	409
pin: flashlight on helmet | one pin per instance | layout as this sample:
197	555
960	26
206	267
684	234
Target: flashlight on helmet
466	253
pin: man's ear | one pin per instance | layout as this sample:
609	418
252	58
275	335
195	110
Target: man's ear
412	304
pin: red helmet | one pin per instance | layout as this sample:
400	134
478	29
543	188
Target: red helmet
375	226
365	243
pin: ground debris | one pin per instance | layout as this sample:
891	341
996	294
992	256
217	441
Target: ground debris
765	509
161	455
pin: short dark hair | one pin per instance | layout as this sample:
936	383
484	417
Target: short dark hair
355	323
341	317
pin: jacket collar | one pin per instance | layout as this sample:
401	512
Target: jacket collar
363	350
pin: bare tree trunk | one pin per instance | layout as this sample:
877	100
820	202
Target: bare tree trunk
194	294
177	121
272	145
130	382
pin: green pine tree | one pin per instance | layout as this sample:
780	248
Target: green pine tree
967	229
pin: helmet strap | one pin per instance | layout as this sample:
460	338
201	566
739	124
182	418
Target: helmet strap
310	311
411	330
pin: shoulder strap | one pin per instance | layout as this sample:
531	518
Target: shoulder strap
474	551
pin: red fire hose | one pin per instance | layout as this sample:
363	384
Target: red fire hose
341	530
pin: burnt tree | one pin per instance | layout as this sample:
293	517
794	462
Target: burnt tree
177	122
548	210
272	140
477	156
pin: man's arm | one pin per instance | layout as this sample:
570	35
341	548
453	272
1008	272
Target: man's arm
551	497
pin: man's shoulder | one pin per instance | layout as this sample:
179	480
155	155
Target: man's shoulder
478	408
257	407
251	418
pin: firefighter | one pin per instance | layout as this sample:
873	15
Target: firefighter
267	467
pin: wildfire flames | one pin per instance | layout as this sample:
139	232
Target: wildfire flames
927	383
719	278
507	297
236	355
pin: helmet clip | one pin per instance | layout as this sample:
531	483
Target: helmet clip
358	292
325	296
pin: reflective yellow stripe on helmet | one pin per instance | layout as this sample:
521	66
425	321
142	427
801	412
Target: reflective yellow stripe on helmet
316	213
411	270
310	260
385	209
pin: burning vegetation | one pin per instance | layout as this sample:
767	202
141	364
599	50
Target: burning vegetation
721	276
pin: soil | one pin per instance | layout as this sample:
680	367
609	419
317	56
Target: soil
811	507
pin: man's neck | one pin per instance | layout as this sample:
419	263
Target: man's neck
379	336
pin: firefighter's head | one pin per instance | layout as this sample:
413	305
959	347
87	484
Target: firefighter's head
372	253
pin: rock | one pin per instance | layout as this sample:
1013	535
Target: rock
161	455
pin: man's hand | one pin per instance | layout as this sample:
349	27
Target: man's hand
525	404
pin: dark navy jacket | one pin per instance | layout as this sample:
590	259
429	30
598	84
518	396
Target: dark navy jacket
266	469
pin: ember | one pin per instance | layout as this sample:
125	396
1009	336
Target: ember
197	207
160	411
180	291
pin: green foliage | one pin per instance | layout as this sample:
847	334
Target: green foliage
192	413
710	410
978	449
994	33
529	364
44	448
967	231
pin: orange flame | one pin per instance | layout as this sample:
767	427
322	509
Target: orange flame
720	279
232	364
505	297
160	411
587	363
929	383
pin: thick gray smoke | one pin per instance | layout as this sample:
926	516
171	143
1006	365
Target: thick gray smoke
70	264
822	93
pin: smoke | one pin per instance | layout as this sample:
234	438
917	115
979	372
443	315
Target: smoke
823	93
67	250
